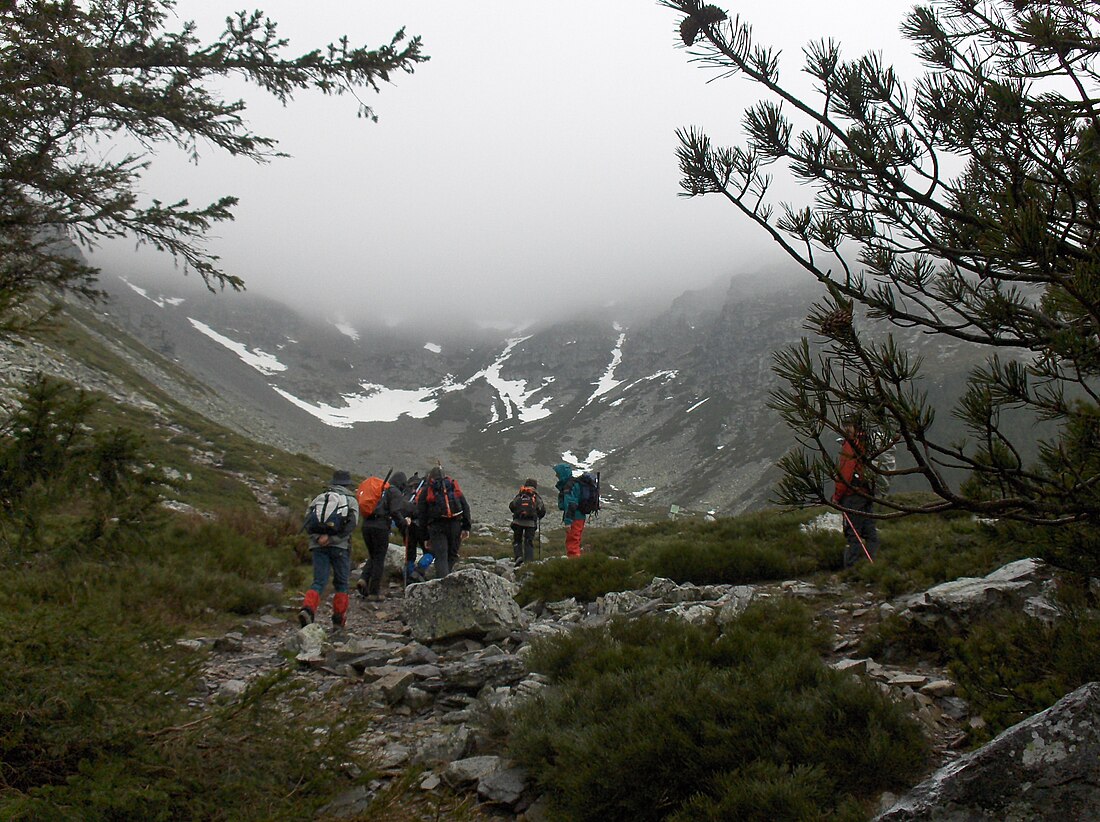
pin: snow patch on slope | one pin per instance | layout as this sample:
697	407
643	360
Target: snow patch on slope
263	362
587	463
160	302
376	404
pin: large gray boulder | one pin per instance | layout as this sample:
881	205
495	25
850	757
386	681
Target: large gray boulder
467	603
394	568
954	604
1046	767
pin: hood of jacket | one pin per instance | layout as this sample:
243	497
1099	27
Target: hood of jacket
563	471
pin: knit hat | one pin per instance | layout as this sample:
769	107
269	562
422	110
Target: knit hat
531	482
341	478
398	479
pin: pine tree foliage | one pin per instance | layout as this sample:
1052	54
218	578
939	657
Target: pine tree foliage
81	82
964	205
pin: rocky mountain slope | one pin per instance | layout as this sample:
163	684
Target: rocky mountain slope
670	407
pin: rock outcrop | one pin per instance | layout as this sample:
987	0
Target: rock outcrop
1046	767
1022	585
467	603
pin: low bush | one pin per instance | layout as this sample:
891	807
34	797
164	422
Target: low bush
94	713
586	578
1010	666
749	548
919	552
657	719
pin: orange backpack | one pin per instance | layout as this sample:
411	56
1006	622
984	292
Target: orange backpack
369	493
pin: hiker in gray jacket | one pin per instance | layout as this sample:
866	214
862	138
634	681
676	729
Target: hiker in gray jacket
330	548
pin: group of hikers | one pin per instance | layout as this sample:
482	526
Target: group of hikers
432	516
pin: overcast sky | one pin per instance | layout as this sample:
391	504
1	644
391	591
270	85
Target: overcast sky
534	154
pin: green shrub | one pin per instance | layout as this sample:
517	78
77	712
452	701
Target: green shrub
65	487
895	640
920	552
651	718
586	577
1010	666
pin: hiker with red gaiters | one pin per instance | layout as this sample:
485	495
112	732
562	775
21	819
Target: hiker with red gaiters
331	520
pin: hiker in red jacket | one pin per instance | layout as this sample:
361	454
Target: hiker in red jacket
854	483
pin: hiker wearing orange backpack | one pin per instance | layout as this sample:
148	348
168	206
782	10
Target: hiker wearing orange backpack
381	507
442	508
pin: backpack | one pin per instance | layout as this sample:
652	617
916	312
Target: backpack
588	501
525	505
369	493
327	514
444	498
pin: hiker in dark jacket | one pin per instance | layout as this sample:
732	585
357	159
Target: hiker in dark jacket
853	494
388	513
569	498
331	554
416	534
442	508
527	509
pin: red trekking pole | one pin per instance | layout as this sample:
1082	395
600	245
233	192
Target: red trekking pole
862	544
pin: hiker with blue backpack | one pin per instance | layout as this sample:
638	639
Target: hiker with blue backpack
416	535
578	497
441	507
330	521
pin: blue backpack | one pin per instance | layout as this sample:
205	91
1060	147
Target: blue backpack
327	514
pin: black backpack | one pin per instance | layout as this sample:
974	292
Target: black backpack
444	498
525	505
588	499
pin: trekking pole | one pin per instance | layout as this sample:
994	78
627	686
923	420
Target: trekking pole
405	564
862	544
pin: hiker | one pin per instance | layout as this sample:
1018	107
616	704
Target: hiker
416	535
388	512
527	509
569	496
854	484
330	547
443	510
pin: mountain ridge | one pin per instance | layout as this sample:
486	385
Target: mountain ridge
671	407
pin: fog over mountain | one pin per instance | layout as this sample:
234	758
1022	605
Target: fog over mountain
527	171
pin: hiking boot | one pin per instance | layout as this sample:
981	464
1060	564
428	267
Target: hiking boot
305	617
340	620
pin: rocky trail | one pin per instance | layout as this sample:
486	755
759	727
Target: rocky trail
429	667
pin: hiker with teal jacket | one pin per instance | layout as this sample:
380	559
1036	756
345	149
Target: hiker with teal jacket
569	497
